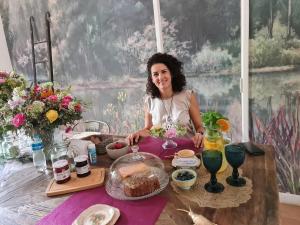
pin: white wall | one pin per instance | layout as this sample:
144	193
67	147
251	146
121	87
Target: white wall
5	63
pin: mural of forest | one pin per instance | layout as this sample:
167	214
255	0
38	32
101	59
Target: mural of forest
101	47
275	84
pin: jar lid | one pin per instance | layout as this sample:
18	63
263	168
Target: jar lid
80	158
60	164
91	146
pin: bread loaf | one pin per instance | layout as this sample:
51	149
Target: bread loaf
140	184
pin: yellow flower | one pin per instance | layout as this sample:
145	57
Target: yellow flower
52	115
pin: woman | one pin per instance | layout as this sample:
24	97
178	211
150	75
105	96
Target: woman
168	102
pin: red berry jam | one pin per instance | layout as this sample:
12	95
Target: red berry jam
61	171
82	166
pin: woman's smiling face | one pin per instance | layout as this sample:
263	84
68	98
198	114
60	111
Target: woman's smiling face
161	76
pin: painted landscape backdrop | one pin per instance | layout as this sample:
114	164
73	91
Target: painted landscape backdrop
100	47
275	84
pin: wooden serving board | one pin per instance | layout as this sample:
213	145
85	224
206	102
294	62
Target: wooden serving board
95	179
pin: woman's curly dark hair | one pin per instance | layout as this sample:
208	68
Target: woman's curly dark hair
176	70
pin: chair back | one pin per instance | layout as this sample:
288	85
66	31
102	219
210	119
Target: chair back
92	125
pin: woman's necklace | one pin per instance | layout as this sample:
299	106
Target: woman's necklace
169	121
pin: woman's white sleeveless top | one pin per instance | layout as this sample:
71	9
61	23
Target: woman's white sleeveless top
177	108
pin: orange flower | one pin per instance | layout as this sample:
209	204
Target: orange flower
46	93
223	124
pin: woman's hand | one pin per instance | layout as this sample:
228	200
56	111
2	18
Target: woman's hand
198	140
134	137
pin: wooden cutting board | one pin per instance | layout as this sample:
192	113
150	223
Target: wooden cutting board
95	179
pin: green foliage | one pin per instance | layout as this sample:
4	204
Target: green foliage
264	52
209	59
276	51
157	132
210	119
291	57
233	47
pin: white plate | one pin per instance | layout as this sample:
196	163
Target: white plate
99	214
186	162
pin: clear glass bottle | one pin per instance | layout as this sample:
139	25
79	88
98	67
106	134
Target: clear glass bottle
213	140
10	147
38	155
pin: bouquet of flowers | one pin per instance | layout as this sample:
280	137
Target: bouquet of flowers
172	132
9	83
41	108
37	110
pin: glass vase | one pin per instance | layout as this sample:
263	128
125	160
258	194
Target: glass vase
47	137
10	149
213	140
169	144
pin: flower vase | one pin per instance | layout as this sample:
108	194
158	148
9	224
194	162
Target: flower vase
169	144
213	140
47	137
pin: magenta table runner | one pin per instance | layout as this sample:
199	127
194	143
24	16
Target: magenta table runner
154	146
141	212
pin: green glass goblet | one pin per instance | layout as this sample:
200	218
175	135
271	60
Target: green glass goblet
235	156
212	160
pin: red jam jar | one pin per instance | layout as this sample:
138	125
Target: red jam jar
82	166
61	171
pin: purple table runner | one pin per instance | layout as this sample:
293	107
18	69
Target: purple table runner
141	212
154	146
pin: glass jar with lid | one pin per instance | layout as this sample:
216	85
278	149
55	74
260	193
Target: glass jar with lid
59	152
61	163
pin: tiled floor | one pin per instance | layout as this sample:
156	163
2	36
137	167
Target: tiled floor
289	214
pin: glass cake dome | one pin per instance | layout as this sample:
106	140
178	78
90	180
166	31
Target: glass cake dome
136	176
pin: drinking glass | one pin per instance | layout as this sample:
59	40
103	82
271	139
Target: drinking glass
212	160
235	156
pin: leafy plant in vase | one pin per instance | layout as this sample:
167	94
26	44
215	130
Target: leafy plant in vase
215	125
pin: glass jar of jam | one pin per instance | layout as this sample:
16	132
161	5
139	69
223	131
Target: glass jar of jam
82	166
61	171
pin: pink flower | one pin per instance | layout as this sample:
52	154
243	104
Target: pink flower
2	80
36	89
18	120
68	130
3	74
66	101
52	98
171	132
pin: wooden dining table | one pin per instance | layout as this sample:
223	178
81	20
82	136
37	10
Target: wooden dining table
23	199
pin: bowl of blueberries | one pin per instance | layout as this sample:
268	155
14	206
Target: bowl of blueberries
184	178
